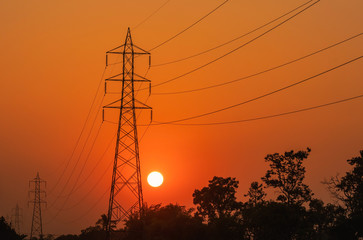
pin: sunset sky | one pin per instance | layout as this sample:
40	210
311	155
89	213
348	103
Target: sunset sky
53	59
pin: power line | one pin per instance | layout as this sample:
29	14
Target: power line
89	210
262	72
239	47
92	207
234	39
67	196
98	162
152	14
79	157
84	164
262	96
271	116
80	135
190	26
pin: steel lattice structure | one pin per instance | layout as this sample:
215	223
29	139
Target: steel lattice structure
16	218
38	200
126	195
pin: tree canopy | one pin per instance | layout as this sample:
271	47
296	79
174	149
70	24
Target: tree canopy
286	174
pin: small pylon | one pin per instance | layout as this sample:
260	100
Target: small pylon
126	196
38	200
16	218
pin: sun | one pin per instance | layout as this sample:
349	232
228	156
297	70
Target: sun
155	179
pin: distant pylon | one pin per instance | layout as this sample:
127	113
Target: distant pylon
38	200
16	218
126	190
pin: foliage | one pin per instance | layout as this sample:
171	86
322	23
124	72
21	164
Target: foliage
294	215
68	237
218	200
274	220
287	174
6	232
217	205
349	190
171	222
255	194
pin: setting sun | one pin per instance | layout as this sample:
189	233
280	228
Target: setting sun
155	179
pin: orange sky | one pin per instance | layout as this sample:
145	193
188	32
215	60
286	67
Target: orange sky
53	56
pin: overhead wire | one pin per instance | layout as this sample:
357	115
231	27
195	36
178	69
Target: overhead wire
92	207
98	162
152	14
234	39
261	96
235	49
104	173
74	186
261	72
81	133
108	146
80	155
189	27
85	143
97	182
271	116
84	164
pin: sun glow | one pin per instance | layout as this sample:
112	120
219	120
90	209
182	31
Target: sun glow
155	179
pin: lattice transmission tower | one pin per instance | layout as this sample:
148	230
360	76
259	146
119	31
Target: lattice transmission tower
126	189
16	218
37	195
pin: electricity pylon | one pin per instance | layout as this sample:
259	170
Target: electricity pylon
16	218
126	190
38	200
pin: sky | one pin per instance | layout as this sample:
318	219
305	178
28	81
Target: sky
53	59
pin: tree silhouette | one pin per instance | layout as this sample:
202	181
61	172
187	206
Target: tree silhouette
287	174
217	205
171	222
218	200
349	190
6	232
255	194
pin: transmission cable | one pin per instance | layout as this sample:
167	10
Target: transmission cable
92	207
67	196
152	14
235	39
86	141
262	96
98	162
104	173
271	116
239	47
192	25
75	187
79	157
262	72
80	135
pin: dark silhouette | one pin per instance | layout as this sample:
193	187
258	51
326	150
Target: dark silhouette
286	174
255	194
349	191
164	223
293	215
218	206
6	232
